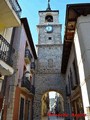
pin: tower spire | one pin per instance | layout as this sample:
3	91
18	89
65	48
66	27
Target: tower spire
48	8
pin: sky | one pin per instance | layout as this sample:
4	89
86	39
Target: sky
30	10
52	94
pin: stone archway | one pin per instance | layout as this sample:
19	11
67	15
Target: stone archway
45	83
51	103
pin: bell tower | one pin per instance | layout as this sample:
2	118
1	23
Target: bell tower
49	49
49	41
49	26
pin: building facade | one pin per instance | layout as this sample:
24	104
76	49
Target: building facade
10	17
75	59
20	88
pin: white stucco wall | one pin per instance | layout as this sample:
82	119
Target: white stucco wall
82	47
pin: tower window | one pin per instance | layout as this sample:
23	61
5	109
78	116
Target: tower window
50	38
49	18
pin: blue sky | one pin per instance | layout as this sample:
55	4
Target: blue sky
52	94
30	10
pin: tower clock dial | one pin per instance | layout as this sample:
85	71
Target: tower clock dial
49	28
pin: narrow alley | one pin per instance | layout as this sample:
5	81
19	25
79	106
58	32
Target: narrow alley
51	77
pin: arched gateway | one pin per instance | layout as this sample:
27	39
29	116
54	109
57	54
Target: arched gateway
48	75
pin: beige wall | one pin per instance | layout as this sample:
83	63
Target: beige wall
6	33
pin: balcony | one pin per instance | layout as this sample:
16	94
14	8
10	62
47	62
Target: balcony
32	67
26	84
28	56
5	60
9	13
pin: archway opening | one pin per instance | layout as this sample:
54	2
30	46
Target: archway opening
53	103
49	18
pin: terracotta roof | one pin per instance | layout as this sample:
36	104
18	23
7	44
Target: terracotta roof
73	11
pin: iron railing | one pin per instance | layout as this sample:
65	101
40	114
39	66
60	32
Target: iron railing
27	84
5	50
16	7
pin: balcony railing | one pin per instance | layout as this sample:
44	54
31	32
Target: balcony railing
16	7
5	51
26	83
28	56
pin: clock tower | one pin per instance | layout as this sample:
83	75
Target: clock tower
48	67
49	41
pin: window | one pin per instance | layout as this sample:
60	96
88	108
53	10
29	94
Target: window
49	18
21	115
50	38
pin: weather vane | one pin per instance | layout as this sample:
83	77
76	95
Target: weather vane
48	0
48	5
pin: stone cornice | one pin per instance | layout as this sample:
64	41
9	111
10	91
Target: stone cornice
54	24
48	45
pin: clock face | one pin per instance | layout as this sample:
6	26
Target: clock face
49	28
